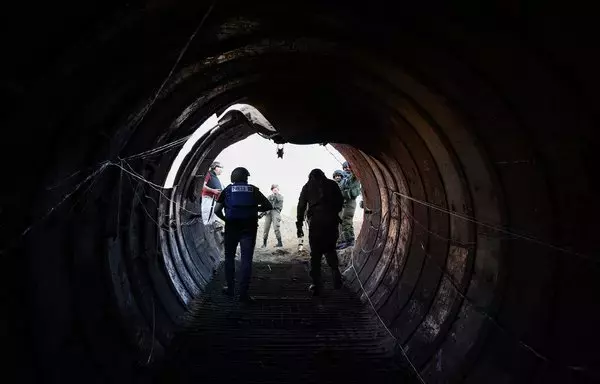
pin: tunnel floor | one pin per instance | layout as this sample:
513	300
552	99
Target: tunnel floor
285	337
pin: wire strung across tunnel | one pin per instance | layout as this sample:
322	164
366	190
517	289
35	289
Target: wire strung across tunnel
92	177
96	173
506	231
166	147
454	285
134	124
404	354
478	308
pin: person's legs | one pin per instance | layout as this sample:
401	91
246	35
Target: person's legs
316	254
266	228
329	241
231	242
247	242
340	239
333	262
208	215
315	266
347	222
276	226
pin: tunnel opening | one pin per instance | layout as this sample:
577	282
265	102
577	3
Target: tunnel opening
191	252
192	243
479	254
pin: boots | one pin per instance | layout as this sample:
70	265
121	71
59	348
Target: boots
279	243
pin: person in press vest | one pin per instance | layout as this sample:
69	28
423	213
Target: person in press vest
241	202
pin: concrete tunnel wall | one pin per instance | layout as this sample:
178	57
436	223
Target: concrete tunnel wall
456	110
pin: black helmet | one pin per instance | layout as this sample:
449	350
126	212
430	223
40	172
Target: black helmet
239	174
337	172
346	165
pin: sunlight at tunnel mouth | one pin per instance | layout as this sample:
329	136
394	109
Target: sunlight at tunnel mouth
476	182
258	154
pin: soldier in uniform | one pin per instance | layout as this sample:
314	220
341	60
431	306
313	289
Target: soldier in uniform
350	191
338	176
273	216
322	201
242	202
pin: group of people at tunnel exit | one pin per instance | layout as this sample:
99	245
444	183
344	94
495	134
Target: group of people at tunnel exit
320	204
211	189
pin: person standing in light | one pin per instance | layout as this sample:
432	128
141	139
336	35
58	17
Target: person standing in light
351	189
273	216
210	192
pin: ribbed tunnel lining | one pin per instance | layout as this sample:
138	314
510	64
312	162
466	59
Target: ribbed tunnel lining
480	132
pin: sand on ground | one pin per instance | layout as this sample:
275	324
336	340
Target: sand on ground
289	252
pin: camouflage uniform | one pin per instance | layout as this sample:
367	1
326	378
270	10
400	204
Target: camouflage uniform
337	172
273	216
350	190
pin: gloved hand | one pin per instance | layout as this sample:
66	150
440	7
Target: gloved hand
299	231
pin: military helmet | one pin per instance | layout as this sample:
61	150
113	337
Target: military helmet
274	186
337	172
239	174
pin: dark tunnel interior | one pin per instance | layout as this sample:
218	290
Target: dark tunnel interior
471	128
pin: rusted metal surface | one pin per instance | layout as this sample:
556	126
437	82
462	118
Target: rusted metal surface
400	254
502	133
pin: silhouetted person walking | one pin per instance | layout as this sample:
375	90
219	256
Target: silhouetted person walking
322	201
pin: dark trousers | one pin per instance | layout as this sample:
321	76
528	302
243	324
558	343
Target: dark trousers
247	240
322	237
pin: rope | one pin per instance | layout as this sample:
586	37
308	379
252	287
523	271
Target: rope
97	172
152	185
181	54
378	244
404	354
157	150
137	196
331	153
477	308
497	228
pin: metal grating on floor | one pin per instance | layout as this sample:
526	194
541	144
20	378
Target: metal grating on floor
286	337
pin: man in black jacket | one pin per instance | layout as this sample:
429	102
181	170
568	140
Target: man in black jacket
322	201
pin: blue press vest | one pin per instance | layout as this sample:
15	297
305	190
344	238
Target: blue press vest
240	203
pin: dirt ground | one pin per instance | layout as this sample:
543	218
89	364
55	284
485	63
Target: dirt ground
289	252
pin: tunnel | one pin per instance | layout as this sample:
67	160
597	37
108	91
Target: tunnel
471	128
